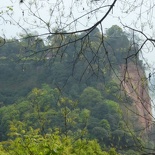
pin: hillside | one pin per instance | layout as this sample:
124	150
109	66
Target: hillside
83	91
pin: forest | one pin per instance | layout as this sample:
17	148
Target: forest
68	101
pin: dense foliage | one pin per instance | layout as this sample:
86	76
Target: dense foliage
65	101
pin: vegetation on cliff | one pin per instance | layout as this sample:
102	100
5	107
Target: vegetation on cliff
67	101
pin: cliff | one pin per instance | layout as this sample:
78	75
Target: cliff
135	84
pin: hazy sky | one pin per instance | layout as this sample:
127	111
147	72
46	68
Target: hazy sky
21	11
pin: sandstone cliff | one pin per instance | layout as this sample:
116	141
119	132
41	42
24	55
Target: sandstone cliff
135	84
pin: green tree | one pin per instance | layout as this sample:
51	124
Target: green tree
90	97
30	141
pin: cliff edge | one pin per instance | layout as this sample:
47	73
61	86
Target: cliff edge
135	84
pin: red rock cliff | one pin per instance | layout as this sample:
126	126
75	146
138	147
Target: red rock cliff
135	84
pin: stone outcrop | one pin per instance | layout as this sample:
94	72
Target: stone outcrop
135	84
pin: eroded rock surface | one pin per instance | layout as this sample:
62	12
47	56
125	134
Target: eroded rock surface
135	84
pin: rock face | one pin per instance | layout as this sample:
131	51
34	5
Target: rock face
135	84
